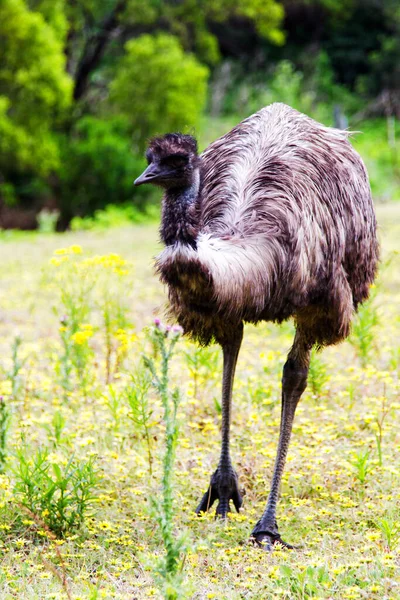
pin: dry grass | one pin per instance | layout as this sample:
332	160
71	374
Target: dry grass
333	516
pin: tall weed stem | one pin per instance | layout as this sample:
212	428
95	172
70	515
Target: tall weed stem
169	569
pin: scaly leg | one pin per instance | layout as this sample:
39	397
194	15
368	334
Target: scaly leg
294	382
224	482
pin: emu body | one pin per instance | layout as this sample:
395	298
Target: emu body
274	220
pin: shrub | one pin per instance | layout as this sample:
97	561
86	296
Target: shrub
116	216
98	168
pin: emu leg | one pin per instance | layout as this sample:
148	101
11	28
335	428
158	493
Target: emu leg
294	381
224	482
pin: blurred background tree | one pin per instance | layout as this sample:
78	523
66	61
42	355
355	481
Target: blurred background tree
156	67
84	83
35	94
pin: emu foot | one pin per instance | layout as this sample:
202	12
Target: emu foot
223	487
266	537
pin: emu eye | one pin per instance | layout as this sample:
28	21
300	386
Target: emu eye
175	161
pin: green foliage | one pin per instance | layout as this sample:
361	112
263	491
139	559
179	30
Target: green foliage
47	220
34	89
380	420
16	365
202	364
286	86
361	465
77	279
313	90
267	16
169	568
303	583
73	287
158	87
54	13
390	529
4	427
115	216
55	429
190	21
363	329
98	167
67	66
58	491
383	78
140	410
382	159
317	375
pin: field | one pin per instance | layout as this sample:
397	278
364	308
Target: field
81	452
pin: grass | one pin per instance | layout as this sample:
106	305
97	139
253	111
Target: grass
340	496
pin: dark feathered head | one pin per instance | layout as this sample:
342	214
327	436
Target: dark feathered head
172	160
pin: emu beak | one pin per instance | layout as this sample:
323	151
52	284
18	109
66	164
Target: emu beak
149	175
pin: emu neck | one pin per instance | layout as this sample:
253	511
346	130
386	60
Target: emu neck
180	220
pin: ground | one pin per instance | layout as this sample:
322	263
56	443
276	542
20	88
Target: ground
340	495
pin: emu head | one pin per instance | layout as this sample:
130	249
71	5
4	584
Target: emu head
173	161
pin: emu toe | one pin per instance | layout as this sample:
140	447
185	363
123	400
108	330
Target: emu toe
223	487
266	541
265	535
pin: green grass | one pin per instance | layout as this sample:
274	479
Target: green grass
339	505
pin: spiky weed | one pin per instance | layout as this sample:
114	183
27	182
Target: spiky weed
60	490
169	570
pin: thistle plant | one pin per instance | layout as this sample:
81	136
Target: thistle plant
170	566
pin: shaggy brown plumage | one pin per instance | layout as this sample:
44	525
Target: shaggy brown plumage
274	220
285	227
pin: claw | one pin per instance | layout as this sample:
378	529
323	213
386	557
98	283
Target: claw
223	487
267	540
207	500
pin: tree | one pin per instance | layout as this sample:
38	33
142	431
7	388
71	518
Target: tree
384	82
98	30
35	91
158	87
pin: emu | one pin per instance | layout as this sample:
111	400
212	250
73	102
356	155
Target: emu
274	220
